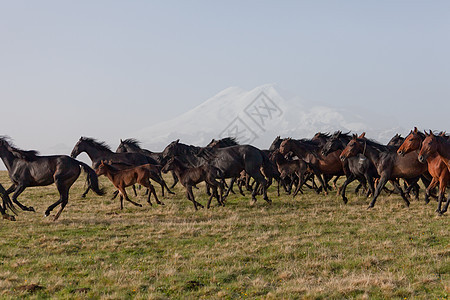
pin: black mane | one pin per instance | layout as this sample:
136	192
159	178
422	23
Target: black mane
132	142
28	155
99	145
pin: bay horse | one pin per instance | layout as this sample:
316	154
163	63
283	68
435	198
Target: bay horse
389	165
134	146
436	166
98	151
310	152
27	169
6	204
121	178
230	161
436	144
190	176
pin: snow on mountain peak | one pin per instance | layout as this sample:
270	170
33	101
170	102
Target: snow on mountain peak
253	117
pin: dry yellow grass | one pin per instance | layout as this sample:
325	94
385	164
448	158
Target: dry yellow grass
312	247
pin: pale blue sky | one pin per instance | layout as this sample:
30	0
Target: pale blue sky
108	68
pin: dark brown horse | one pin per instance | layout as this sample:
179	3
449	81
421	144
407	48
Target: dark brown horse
389	165
27	169
121	178
230	161
310	152
190	176
436	166
289	169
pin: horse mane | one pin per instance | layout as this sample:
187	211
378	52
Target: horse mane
28	155
132	142
322	135
374	144
99	145
339	134
230	141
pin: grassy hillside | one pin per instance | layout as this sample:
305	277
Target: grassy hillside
312	247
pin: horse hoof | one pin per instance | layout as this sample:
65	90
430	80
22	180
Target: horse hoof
84	196
161	203
31	208
345	200
370	206
172	193
46	214
8	217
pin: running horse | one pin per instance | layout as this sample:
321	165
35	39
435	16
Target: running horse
436	144
99	151
27	169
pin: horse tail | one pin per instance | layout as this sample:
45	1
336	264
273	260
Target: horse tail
7	203
92	178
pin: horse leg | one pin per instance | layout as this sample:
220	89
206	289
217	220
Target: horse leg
116	192
347	181
230	187
124	194
402	194
433	183
19	189
447	203
370	183
381	183
175	180
191	197
6	200
64	198
121	201
299	185
134	190
153	191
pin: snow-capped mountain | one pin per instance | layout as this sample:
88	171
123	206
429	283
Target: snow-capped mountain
256	117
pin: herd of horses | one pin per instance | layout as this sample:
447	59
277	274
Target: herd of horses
293	163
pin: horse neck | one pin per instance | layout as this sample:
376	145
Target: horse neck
444	149
371	153
179	169
8	158
94	153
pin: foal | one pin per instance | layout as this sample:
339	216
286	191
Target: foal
123	178
289	168
189	177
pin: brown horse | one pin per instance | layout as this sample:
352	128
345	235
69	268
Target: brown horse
433	144
389	165
310	152
127	177
436	166
190	176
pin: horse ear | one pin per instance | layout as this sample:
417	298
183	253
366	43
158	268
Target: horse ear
362	135
426	133
354	136
177	141
121	141
415	129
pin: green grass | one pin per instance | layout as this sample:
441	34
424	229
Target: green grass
312	247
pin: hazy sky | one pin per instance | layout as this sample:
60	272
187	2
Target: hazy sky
108	68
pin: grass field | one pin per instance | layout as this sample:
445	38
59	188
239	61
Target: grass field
313	247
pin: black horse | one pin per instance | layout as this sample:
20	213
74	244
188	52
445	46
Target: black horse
357	167
230	161
98	151
27	169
